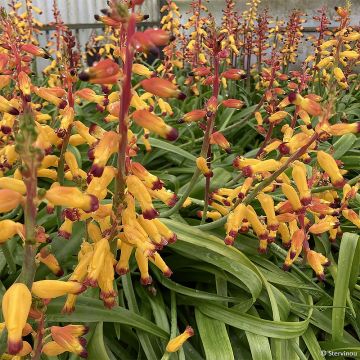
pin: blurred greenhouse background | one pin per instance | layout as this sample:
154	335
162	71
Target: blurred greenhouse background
78	15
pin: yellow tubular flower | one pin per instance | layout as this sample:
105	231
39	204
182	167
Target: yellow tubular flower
317	261
143	263
16	305
9	200
165	232
292	196
138	189
285	234
50	289
71	197
122	267
106	281
152	231
10	228
201	164
107	146
13	184
329	165
234	222
299	176
176	343
71	162
267	204
160	263
256	224
101	249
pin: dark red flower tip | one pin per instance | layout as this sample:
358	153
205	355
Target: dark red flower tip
292	97
150	214
286	267
172	239
284	149
262	250
60	273
5	129
84	76
247	171
94	203
62	104
14	111
122	271
14	347
96	170
172	135
181	96
146	281
229	240
168	273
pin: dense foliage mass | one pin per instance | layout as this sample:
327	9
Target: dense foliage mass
227	163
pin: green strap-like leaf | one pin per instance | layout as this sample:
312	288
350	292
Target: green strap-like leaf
214	337
346	255
91	310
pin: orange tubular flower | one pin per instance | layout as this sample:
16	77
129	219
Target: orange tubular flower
35	50
70	338
50	289
176	343
9	200
71	197
104	72
193	116
139	191
90	95
219	139
151	181
10	228
163	88
299	176
317	261
201	164
166	196
107	146
25	85
233	103
154	124
309	105
342	129
16	305
352	216
329	165
233	74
